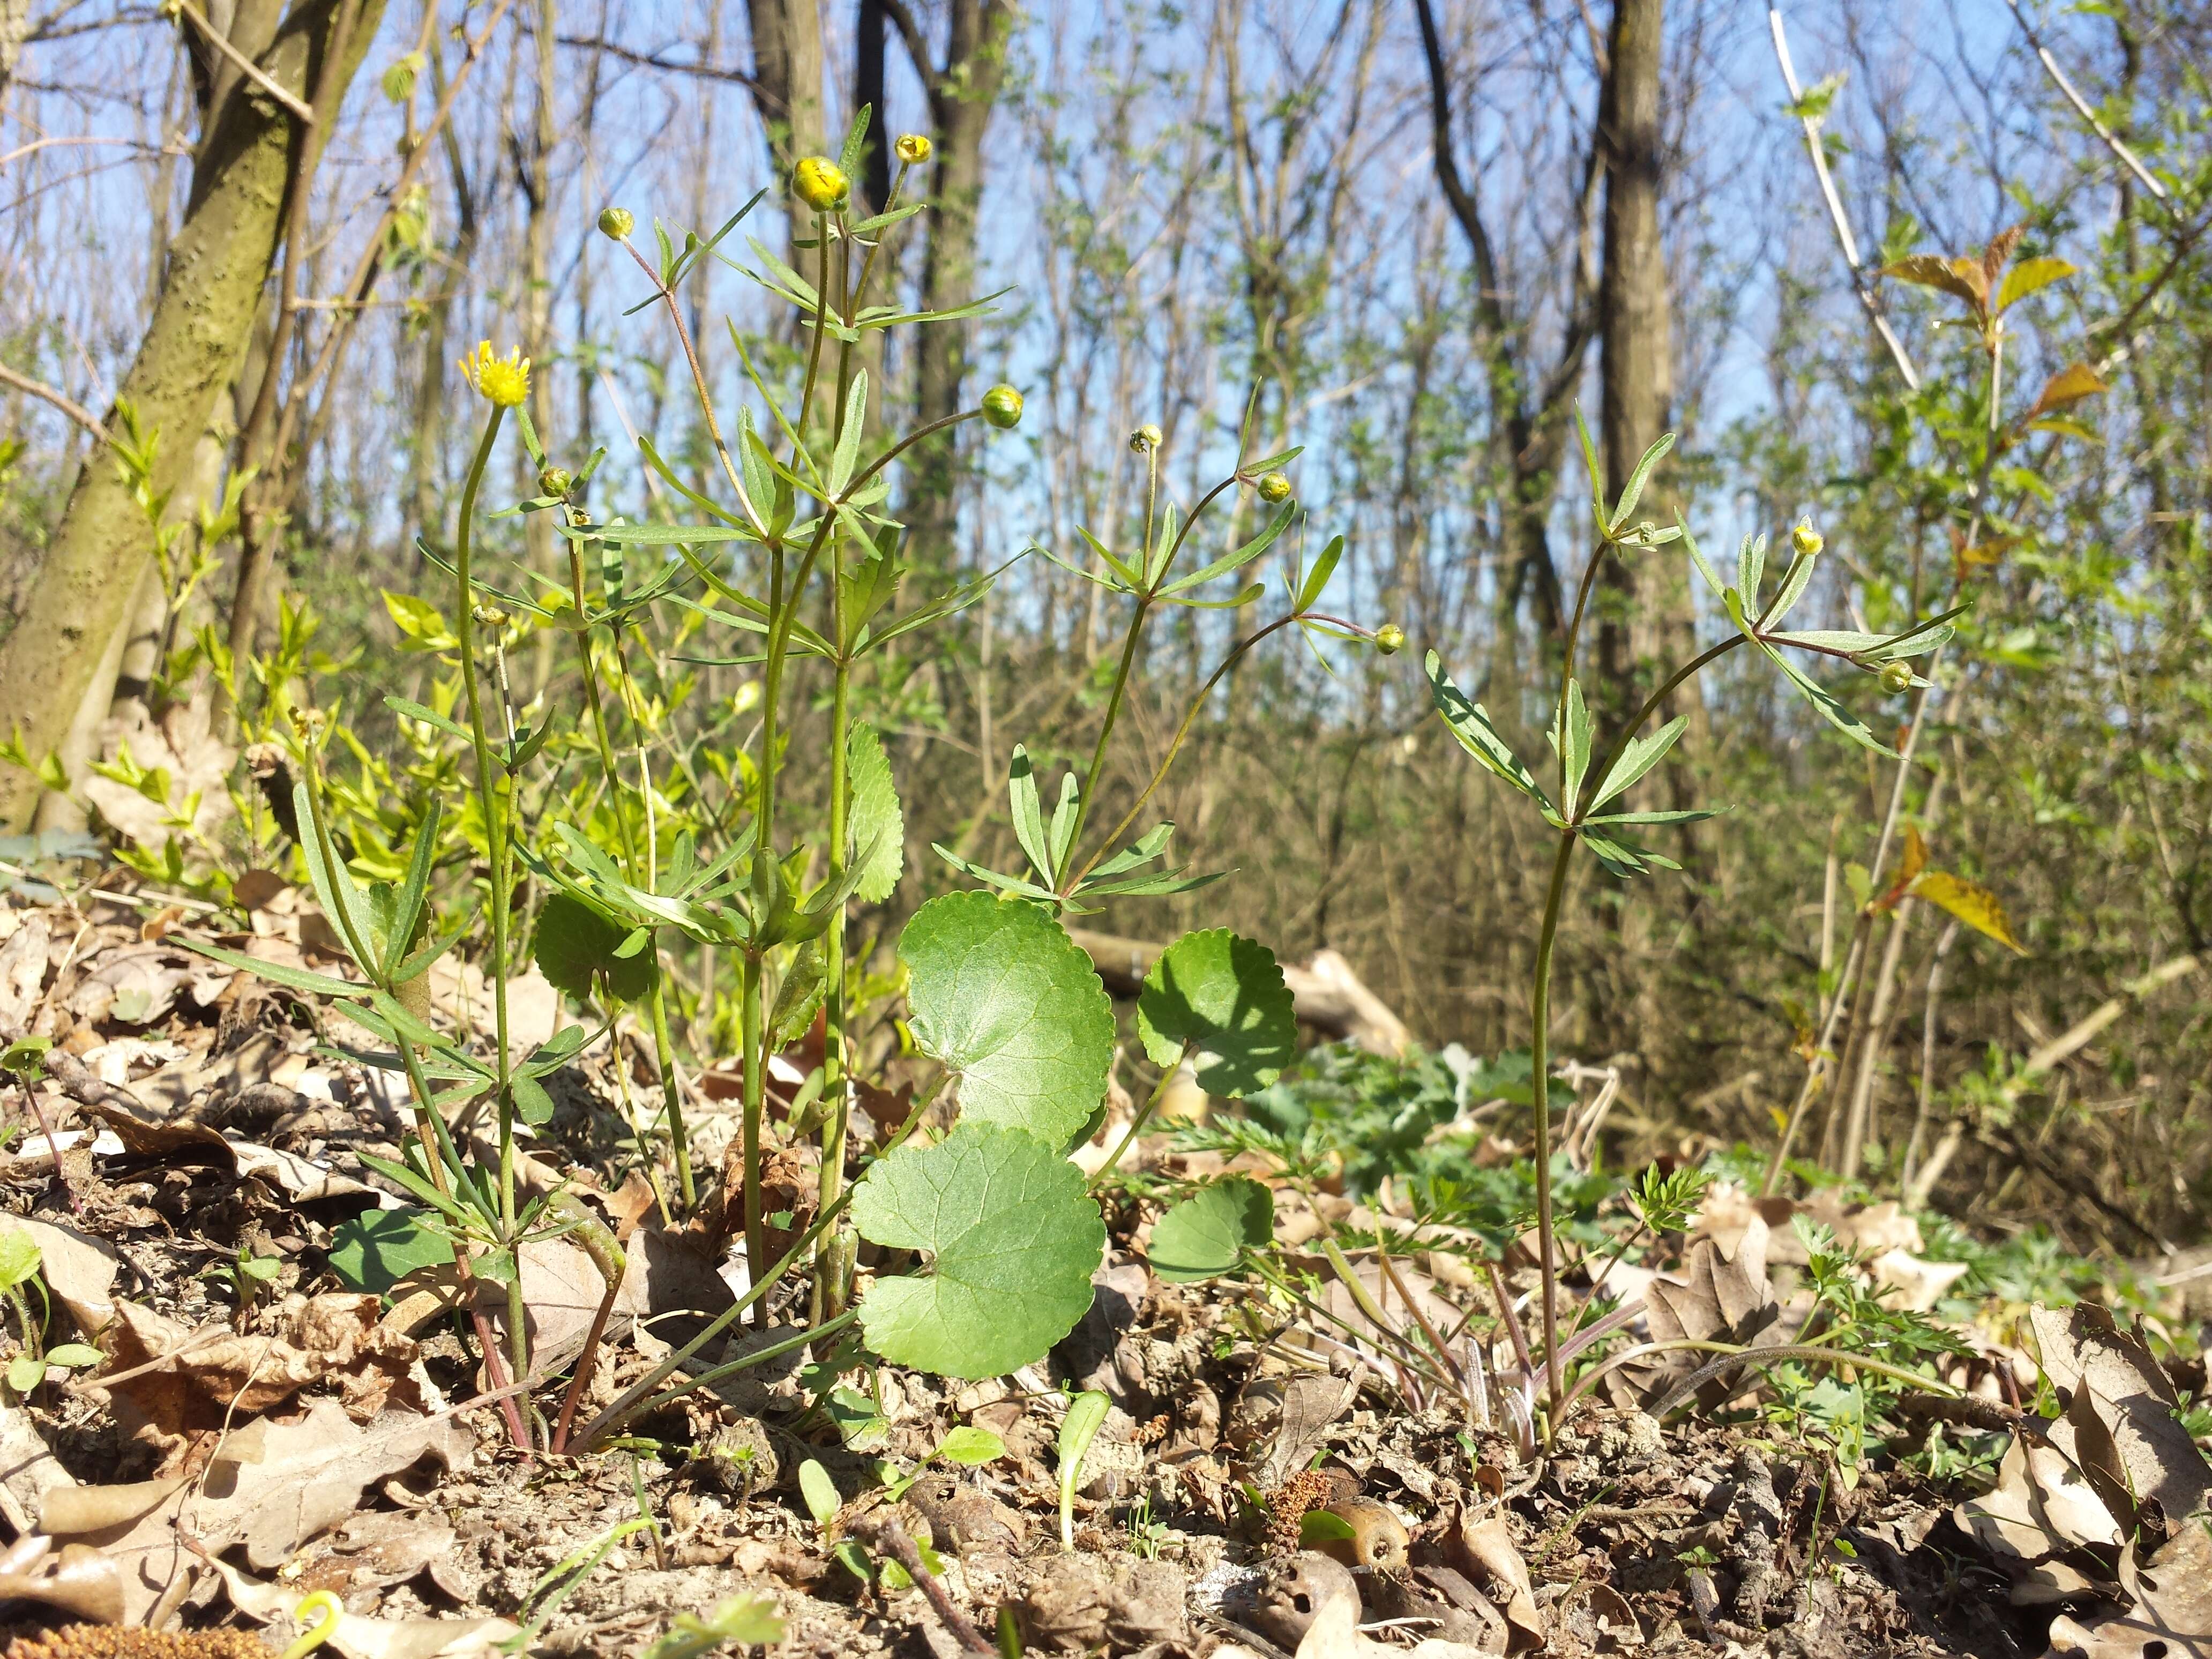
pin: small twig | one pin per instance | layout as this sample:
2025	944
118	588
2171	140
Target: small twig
1836	215
246	66
2111	140
61	400
882	1533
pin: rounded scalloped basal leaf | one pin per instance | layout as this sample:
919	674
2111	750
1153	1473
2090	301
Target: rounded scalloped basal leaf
1015	1238
1224	995
1207	1234
574	942
1002	996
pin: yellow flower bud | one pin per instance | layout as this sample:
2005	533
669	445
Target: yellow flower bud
616	223
502	382
1808	541
1389	639
1002	407
1897	676
1146	439
821	184
1274	489
913	150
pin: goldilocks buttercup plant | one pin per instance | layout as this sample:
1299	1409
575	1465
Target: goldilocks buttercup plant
1587	814
796	547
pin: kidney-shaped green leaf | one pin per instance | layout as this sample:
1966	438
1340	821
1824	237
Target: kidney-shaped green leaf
1002	996
1222	995
1015	1239
1207	1233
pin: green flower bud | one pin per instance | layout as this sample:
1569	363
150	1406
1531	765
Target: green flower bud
1274	489
617	223
913	150
1146	439
1808	541
821	184
489	616
1897	676
1389	639
556	482
1002	407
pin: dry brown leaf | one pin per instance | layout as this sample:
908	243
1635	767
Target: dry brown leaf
22	972
2172	1618
1490	1556
1278	1423
78	1579
1336	1634
1719	1296
28	1469
274	1485
357	1638
79	1270
2152	1458
182	742
215	1379
134	1527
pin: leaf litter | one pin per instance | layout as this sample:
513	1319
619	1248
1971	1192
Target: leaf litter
246	1441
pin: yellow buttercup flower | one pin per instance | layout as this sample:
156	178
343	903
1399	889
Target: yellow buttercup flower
503	382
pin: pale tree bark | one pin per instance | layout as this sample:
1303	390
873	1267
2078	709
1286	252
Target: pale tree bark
68	635
786	89
427	445
962	92
1646	614
14	24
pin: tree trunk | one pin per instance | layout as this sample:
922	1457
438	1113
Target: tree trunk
787	77
219	262
14	24
1644	613
961	96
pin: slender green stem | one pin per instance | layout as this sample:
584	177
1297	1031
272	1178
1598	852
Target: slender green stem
754	1043
1539	1087
1183	731
488	794
1143	1116
1112	713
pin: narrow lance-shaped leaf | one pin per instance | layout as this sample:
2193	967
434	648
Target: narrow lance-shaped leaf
1634	491
1470	723
1823	700
1637	756
1029	814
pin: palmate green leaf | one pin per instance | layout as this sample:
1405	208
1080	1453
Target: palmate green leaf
1207	1234
577	947
377	1248
1697	558
1470	723
1219	997
1002	997
1596	473
798	998
1014	1239
875	820
847	456
1624	858
1637	756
